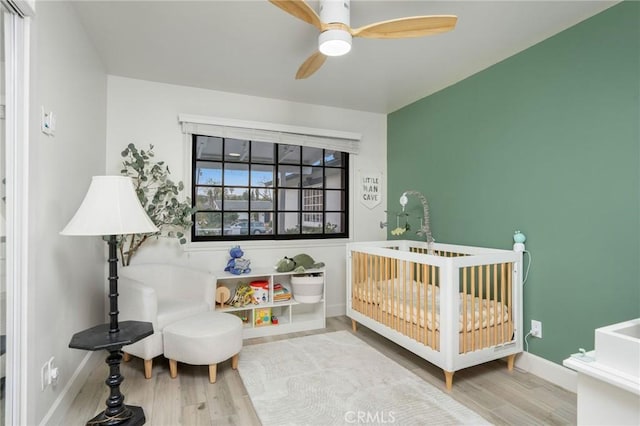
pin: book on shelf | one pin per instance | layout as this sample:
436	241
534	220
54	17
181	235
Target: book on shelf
281	293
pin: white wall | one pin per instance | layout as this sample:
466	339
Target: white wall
144	112
66	274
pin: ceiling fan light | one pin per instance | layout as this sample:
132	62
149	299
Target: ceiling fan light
334	42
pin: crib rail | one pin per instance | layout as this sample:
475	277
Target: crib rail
399	287
492	287
398	293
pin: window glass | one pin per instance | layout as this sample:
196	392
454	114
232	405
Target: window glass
236	150
334	223
262	175
236	198
334	200
312	156
208	148
335	178
208	224
334	158
288	154
209	198
289	176
257	190
236	174
261	199
262	152
289	223
208	173
288	199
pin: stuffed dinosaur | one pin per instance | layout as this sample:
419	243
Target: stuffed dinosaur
298	263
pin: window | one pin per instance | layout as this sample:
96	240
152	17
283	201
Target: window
245	190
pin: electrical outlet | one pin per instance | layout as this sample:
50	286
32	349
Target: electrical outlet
44	374
52	379
48	374
536	329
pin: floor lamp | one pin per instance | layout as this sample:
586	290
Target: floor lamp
111	207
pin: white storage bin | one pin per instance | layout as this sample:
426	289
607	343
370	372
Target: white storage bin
307	289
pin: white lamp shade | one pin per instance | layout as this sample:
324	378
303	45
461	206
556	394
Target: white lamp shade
111	207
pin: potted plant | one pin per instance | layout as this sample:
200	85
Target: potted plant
159	197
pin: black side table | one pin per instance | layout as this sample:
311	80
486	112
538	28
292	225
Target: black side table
98	338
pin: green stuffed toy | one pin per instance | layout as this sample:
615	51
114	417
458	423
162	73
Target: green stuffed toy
298	263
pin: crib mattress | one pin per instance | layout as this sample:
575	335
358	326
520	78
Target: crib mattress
474	312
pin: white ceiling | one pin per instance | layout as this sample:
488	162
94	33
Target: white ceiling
254	48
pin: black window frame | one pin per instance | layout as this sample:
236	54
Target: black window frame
344	166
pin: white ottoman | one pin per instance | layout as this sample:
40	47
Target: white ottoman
206	338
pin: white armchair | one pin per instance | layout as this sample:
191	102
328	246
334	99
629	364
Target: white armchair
161	294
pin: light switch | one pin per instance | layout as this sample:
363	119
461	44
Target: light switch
48	124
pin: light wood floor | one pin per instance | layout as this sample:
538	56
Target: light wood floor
500	396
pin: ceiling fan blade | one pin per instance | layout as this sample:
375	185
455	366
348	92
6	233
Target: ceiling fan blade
301	10
413	26
310	66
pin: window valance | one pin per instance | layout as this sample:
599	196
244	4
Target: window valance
270	132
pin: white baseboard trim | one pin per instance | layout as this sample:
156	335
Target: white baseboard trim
549	371
63	402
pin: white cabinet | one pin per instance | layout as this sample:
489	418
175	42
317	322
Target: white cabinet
265	315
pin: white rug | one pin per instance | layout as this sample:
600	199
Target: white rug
336	379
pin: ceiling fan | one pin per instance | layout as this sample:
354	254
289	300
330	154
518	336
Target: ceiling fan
336	34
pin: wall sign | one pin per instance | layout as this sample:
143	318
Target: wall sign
370	189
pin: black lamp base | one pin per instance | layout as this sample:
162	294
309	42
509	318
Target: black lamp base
132	416
97	338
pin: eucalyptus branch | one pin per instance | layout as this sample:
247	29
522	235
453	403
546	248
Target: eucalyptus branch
159	197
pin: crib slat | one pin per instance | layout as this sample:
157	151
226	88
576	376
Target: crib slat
509	296
365	283
473	329
354	280
392	295
361	281
435	343
482	316
502	300
404	297
412	284
464	313
425	276
382	291
372	286
495	303
486	303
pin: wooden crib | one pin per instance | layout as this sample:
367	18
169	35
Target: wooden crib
454	306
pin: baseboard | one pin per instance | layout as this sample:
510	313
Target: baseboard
549	371
63	402
336	310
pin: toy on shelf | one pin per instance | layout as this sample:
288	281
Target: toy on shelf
223	294
281	293
260	291
263	316
298	263
243	296
237	265
243	315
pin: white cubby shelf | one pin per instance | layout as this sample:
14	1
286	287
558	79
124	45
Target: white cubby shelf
291	315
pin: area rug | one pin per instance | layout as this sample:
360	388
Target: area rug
337	379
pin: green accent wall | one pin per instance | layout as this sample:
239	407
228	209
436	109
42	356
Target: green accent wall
547	142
